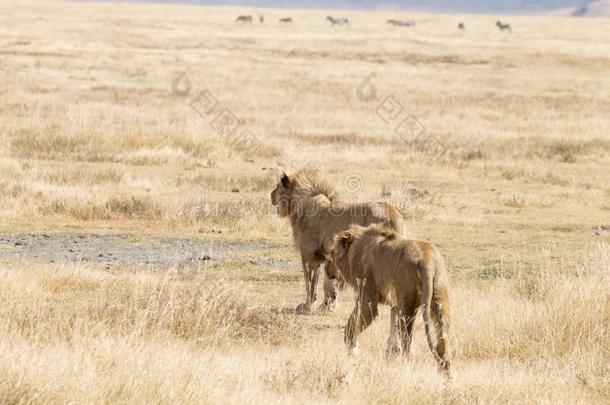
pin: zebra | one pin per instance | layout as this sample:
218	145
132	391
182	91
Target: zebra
503	27
244	19
401	23
285	20
338	21
461	26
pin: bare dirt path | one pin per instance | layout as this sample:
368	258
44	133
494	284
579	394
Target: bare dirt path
121	251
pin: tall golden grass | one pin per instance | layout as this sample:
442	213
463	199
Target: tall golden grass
71	334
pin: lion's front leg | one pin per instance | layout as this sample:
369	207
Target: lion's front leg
330	293
310	273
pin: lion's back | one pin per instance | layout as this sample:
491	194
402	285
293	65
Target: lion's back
384	256
381	213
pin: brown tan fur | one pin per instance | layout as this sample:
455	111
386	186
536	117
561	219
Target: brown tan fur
316	216
385	268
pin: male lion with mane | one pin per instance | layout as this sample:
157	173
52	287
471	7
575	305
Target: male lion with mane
316	216
404	274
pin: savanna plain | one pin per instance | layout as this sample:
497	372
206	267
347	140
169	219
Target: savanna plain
143	131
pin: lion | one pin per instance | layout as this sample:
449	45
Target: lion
316	216
385	268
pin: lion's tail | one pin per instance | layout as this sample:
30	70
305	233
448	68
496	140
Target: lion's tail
435	305
427	280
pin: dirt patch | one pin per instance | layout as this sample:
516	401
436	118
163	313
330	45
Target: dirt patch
120	251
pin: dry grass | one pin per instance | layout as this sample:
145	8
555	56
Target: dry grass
94	139
81	335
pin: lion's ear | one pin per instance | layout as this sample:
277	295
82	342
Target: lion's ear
345	239
286	182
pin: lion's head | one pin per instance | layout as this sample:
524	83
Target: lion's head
338	256
291	192
281	196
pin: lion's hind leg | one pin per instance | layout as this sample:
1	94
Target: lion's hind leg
394	345
361	317
401	332
407	322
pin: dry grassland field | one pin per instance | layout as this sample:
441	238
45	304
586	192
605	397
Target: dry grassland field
141	259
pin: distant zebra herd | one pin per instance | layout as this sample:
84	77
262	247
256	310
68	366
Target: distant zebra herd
244	19
401	23
345	21
337	21
287	20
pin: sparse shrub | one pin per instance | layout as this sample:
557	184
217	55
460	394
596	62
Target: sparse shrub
226	183
513	201
474	154
133	207
566	152
11	189
224	211
82	176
